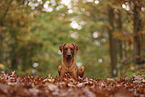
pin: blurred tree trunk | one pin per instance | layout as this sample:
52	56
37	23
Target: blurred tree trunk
8	3
14	59
1	43
119	26
112	41
1	48
136	25
119	42
14	63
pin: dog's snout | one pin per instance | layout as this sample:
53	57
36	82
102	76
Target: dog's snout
69	54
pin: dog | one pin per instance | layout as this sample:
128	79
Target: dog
68	64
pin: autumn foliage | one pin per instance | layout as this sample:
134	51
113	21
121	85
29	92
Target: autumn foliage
12	85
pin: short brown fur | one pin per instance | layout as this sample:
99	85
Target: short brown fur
68	64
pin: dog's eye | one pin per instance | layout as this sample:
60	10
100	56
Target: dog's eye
65	49
72	49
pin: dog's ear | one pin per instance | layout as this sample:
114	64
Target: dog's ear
61	47
76	47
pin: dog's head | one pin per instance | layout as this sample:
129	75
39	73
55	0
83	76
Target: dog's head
68	49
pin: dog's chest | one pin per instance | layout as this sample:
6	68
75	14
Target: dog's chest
69	68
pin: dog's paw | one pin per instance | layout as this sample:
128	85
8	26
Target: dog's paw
81	71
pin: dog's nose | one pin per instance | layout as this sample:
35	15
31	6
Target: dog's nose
68	54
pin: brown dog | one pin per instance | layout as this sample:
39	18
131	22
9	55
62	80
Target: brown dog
68	64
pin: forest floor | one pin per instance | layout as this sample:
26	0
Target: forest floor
12	85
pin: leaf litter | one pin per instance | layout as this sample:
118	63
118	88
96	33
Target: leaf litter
12	85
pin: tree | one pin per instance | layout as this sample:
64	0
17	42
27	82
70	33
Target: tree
136	30
112	41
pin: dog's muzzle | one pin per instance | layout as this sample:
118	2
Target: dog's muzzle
68	55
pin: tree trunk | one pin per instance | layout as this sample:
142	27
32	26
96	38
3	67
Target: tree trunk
119	42
119	26
14	62
136	25
112	41
1	33
1	48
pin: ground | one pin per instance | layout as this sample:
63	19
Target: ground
12	85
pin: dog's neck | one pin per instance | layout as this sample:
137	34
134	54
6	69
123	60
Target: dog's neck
68	62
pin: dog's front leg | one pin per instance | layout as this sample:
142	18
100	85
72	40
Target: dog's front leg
61	72
81	71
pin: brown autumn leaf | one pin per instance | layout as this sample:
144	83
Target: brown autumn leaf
32	86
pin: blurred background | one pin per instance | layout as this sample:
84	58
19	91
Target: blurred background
110	35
